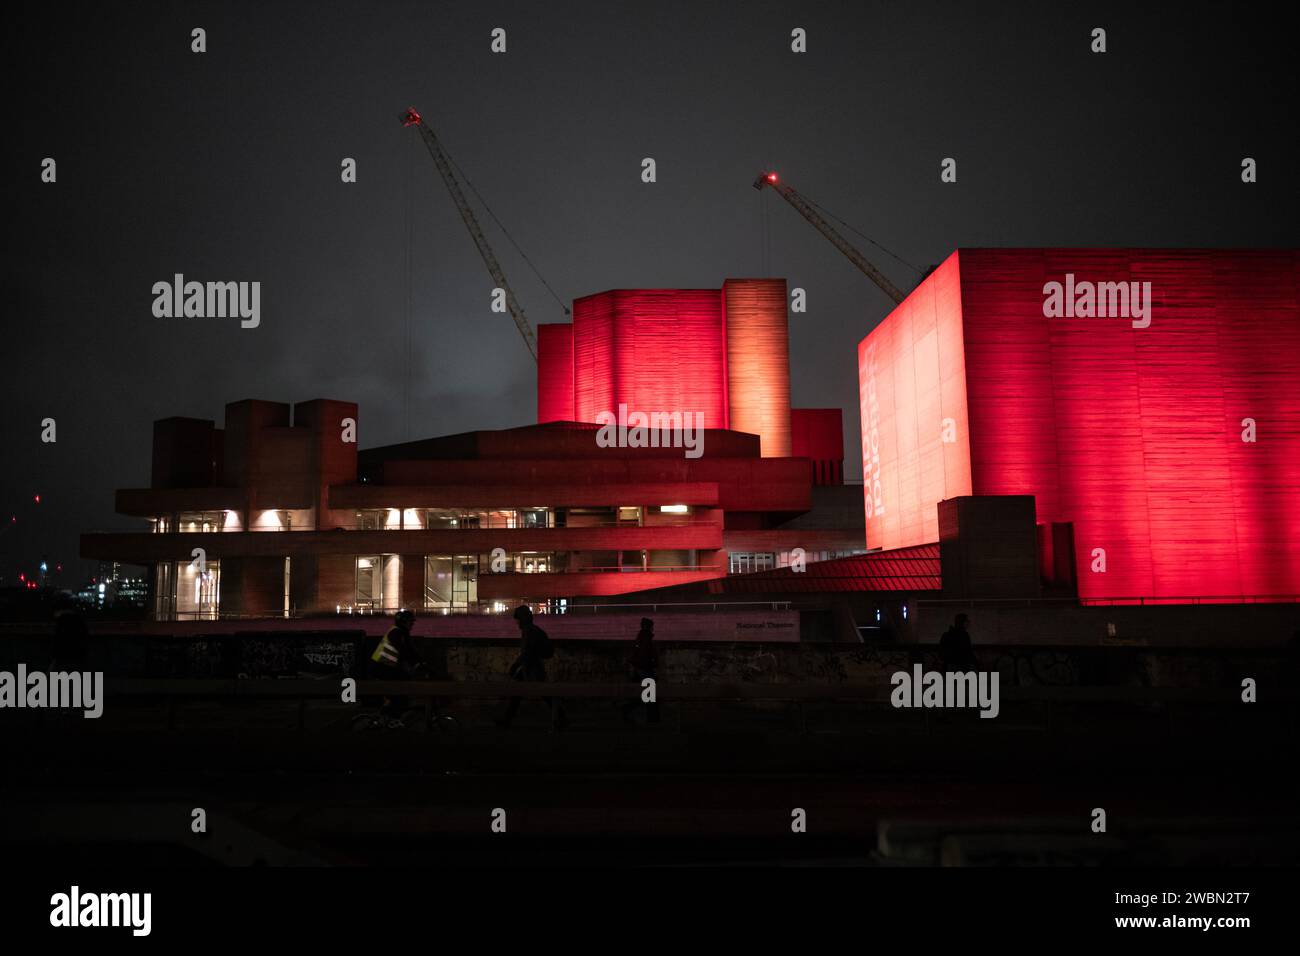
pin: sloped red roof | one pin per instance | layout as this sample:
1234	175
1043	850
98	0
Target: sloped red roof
903	569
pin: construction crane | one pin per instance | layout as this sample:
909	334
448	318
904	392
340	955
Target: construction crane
441	160
805	209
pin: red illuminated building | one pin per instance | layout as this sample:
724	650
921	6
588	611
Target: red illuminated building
291	519
1149	457
722	353
1162	453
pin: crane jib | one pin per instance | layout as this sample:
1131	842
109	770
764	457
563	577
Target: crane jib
805	209
441	161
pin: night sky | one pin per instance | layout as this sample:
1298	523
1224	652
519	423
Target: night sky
225	166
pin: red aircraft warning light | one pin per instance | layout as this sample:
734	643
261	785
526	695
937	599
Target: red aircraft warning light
410	117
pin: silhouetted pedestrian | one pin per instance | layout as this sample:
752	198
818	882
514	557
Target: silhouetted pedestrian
534	651
955	653
642	662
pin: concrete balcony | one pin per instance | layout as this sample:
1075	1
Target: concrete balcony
147	548
524	495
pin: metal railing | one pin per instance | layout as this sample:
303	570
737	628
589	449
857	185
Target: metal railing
711	605
481	525
608	568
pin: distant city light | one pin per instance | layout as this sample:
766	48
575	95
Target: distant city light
37	499
44	567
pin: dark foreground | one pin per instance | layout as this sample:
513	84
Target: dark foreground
1191	784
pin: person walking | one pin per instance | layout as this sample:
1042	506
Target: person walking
534	651
955	652
642	662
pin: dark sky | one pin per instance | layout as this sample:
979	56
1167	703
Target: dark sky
225	166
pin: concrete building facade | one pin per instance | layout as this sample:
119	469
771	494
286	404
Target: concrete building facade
276	513
1145	401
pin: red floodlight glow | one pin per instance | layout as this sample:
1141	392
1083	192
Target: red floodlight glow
554	372
655	350
1039	402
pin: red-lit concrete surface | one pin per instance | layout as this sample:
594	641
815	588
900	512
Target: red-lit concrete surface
653	350
291	519
818	435
1133	435
911	377
555	373
758	361
723	353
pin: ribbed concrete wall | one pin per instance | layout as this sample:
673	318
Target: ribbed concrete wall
653	350
911	381
554	373
758	361
1134	428
1135	434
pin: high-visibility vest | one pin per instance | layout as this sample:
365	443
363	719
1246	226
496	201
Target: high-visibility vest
386	652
